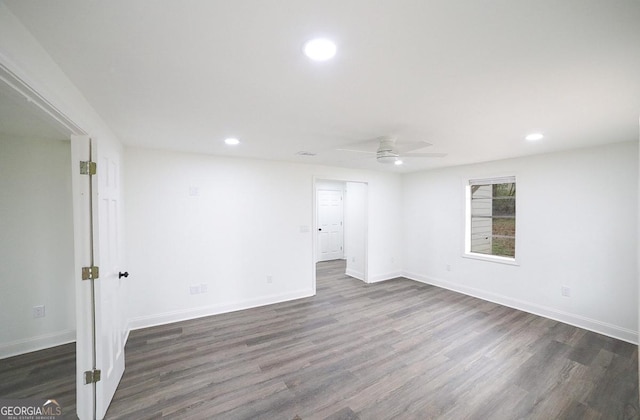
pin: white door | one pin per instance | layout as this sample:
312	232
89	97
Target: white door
100	338
330	225
110	287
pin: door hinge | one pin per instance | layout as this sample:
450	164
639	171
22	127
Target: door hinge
88	168
92	376
90	273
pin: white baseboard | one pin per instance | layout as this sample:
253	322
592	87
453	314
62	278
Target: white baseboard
579	321
355	274
383	277
40	342
193	313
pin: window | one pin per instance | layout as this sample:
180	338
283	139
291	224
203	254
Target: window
491	217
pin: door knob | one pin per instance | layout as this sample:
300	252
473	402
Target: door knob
121	274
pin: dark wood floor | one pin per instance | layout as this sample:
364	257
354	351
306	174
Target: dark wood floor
46	374
397	349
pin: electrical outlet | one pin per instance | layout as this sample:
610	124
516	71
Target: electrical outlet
565	291
194	290
353	259
204	288
269	279
38	311
448	267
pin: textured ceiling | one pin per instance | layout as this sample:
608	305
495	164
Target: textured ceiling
471	77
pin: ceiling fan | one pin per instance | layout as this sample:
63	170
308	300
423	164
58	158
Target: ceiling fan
388	149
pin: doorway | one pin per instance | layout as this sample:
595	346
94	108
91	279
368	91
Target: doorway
340	231
99	329
37	290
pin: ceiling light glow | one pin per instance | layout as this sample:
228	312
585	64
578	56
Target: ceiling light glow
320	49
534	136
398	162
232	141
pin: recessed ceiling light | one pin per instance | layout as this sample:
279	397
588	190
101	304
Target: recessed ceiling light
232	141
320	49
534	136
398	162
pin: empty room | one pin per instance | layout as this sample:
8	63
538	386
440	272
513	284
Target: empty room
319	210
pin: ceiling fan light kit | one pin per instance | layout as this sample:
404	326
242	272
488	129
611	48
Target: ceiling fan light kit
386	157
387	152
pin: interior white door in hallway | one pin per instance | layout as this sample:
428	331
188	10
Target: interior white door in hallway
330	225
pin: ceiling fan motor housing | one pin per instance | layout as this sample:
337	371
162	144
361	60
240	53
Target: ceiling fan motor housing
387	152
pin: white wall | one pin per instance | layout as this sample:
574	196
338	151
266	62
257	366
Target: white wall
246	222
36	245
356	229
576	227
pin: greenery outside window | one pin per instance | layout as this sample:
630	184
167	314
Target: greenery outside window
491	210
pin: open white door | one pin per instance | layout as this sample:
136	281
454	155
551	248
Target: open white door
110	288
100	301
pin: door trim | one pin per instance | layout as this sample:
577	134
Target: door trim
24	88
85	395
18	80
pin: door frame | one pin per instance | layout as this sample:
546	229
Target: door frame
314	227
83	242
18	80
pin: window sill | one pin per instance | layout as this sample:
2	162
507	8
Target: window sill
491	258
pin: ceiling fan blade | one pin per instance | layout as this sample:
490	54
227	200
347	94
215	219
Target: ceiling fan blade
409	155
370	145
357	151
404	147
